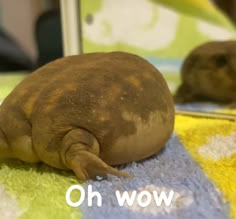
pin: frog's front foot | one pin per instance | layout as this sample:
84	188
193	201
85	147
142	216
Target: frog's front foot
184	95
231	105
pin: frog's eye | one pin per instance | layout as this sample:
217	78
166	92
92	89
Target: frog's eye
220	60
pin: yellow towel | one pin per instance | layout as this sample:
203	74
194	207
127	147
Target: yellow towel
212	144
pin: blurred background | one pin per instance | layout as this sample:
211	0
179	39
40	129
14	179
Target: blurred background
228	7
32	30
26	30
162	31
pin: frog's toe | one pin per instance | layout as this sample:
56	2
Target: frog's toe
87	165
80	153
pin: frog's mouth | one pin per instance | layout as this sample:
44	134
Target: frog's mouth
4	149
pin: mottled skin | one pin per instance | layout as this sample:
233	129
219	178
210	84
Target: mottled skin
88	112
209	73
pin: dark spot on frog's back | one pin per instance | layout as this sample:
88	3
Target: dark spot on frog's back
118	127
111	90
148	95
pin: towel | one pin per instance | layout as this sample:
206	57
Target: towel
196	170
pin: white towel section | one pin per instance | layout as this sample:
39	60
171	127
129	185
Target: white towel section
70	27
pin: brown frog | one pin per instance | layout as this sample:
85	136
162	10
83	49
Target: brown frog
209	73
88	113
